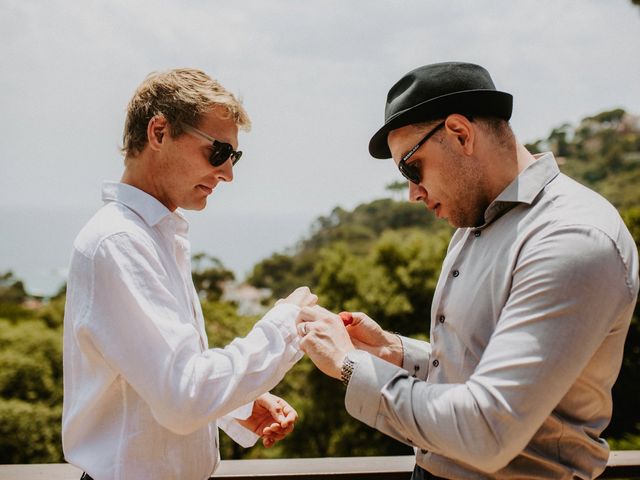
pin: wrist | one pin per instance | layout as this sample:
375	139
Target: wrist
394	353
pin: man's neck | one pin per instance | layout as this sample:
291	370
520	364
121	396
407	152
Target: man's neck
524	157
506	166
137	174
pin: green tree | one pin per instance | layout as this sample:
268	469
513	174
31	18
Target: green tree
30	391
29	432
209	276
357	230
11	289
398	189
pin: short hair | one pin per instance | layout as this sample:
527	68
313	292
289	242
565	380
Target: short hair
181	95
498	127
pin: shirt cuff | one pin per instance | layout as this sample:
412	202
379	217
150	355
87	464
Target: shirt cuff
242	436
283	317
243	412
370	375
416	357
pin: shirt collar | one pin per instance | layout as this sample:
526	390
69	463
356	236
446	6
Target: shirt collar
145	205
525	187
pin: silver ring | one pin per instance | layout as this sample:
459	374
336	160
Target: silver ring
303	329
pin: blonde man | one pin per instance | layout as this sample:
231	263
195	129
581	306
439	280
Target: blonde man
143	395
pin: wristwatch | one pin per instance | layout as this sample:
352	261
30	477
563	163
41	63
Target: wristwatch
347	369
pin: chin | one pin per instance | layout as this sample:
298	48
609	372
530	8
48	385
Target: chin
195	206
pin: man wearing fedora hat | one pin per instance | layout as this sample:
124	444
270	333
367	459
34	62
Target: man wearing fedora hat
531	310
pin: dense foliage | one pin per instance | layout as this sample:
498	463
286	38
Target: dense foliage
383	258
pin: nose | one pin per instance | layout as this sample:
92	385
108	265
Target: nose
417	193
225	172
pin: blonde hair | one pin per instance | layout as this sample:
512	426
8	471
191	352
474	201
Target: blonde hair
179	95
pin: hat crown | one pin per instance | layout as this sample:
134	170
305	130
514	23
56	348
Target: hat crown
433	81
435	91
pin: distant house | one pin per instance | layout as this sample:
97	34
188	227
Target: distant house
250	300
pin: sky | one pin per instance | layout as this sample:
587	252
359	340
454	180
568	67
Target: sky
313	76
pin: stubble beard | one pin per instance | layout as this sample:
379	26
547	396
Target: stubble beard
468	186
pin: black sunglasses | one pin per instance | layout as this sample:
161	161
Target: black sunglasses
220	151
411	171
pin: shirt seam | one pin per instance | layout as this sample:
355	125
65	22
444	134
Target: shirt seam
82	320
602	232
87	305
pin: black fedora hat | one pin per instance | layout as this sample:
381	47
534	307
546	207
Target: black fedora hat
435	91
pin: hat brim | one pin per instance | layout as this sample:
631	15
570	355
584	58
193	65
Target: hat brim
469	102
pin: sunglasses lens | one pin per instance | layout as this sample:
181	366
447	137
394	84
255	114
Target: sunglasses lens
220	154
410	172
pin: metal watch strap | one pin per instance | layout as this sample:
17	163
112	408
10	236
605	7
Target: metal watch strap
347	369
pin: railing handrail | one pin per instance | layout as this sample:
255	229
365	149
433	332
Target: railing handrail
622	464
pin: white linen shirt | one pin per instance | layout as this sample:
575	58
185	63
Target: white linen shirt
528	324
142	392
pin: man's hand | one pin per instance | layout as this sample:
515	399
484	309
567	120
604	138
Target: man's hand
301	297
367	335
272	418
324	339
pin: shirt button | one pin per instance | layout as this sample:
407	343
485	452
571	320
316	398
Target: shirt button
441	318
416	368
455	273
477	233
436	363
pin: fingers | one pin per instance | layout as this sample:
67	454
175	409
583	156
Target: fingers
273	435
347	318
303	328
268	442
275	432
311	300
290	415
279	409
274	406
301	296
304	297
314	313
359	318
311	319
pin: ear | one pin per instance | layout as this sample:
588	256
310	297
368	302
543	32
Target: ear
157	129
461	128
